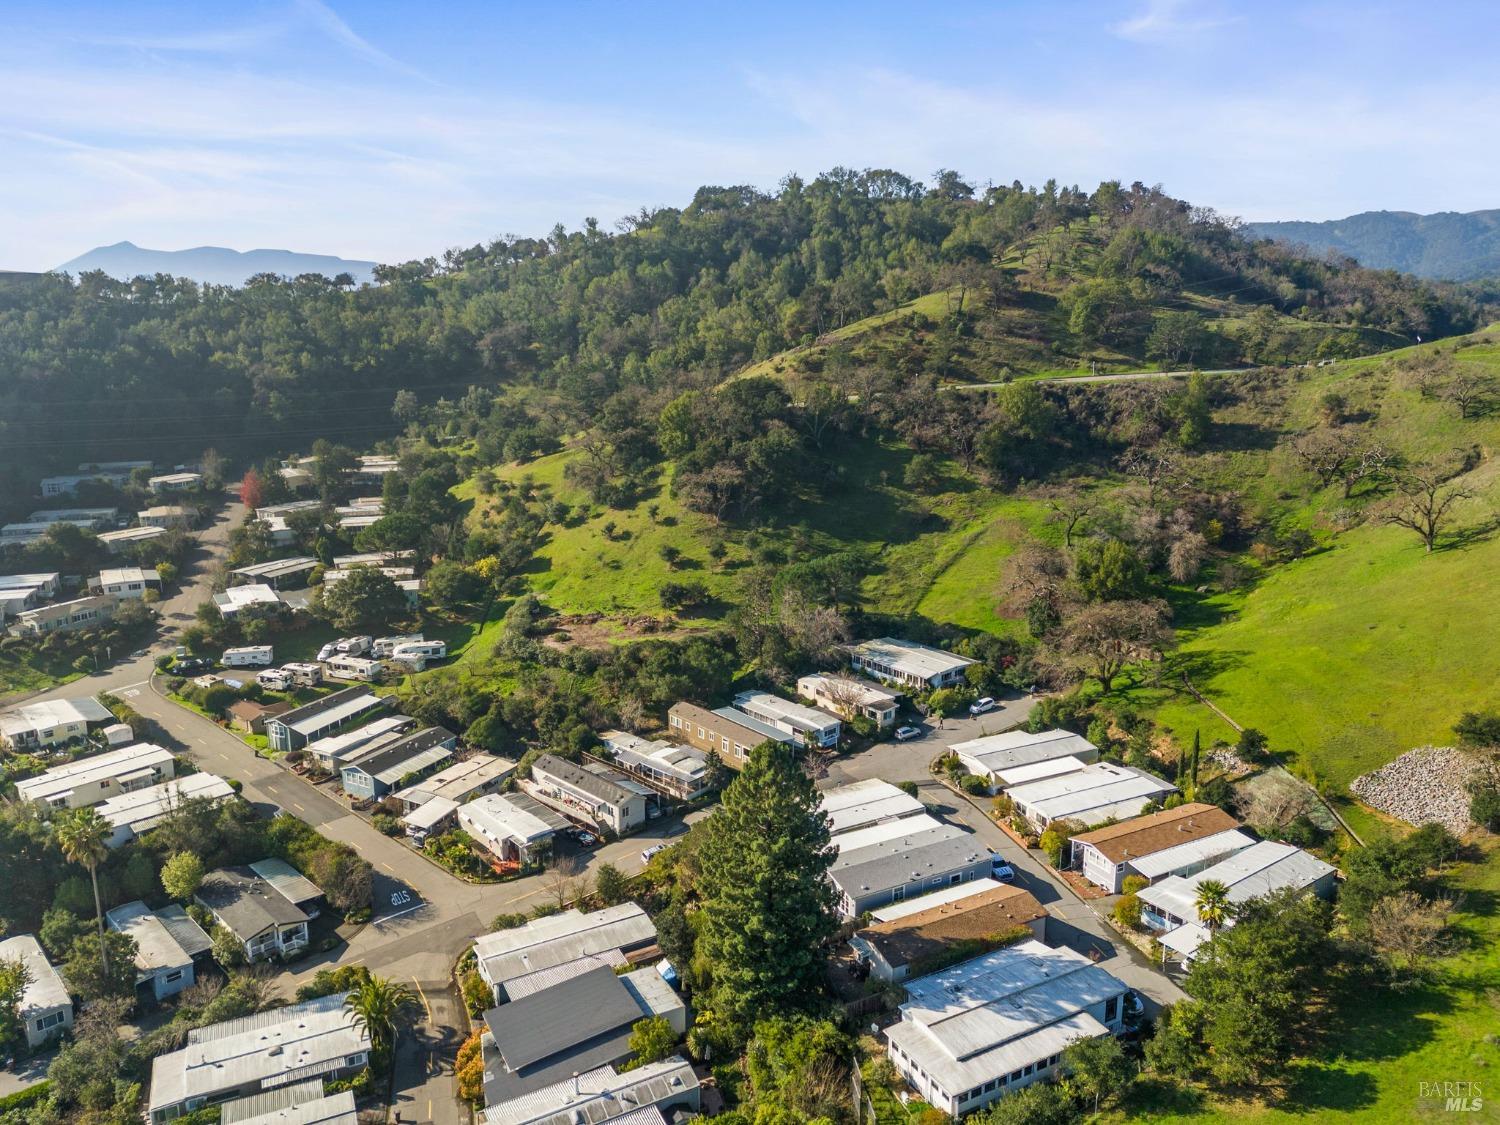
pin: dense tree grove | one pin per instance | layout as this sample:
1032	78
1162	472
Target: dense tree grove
100	367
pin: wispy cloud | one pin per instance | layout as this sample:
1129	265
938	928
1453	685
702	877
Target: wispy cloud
228	40
1169	21
334	26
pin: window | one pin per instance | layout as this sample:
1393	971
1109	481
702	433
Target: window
955	879
49	1021
1016	1077
1030	1068
989	1086
898	895
1111	1009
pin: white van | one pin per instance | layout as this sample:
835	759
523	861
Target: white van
248	656
386	646
277	679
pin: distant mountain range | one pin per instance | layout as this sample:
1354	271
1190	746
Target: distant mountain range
1450	245
216	265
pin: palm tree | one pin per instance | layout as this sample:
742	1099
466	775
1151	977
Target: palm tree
81	834
381	1006
1214	907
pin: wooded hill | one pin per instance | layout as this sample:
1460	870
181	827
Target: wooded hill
1009	281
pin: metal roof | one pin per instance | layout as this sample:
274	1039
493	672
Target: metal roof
895	863
238	597
910	657
412	754
1186	938
1098	791
681	762
897	829
752	724
545	942
338	707
290	883
338	746
973	1021
996	752
430	813
186	932
301	1104
267	1048
111	765
862	803
277	568
457	781
543	979
1257	870
58	712
600	1095
784	712
141	811
1210	849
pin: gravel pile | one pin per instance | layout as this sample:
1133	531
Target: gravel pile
1423	786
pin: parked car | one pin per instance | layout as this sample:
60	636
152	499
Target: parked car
906	734
653	850
980	706
585	839
1001	870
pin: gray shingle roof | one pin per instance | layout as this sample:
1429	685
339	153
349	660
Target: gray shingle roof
245	902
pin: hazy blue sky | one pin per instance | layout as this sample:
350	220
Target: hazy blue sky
394	130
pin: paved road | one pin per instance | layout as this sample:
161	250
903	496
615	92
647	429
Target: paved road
1112	377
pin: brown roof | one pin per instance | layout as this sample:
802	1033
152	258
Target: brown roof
1144	835
976	918
248	709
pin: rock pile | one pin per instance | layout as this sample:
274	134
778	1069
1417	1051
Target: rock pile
1423	786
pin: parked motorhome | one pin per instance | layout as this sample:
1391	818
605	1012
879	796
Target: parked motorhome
353	668
304	675
386	646
277	679
353	646
248	656
427	650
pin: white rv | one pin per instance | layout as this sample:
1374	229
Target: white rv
306	675
353	668
386	646
248	656
277	679
427	650
353	646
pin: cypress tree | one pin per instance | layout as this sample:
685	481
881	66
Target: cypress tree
767	903
1197	746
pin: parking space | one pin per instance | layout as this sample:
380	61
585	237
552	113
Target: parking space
393	897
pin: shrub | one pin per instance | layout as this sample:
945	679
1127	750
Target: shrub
508	921
974	784
477	994
1128	911
386	824
1134	883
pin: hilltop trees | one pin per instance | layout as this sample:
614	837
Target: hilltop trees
767	906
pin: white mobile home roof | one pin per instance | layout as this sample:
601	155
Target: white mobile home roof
333	716
142	810
510	816
1257	870
286	880
1186	939
115	576
27	581
46	988
996	752
301	1104
1036	771
786	711
455	782
112	764
1221	845
1095	793
132	534
430	813
862	803
238	597
912	658
976	1020
898	828
941	897
156	948
277	568
336	745
269	1048
544	943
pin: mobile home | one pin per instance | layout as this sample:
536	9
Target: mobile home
248	656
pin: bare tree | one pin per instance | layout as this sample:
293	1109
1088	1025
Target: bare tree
1071	508
1408	931
1427	371
1102	638
1033	574
1426	505
1185	558
1471	391
1327	454
818	631
1375	465
844	693
1157	467
564	880
1271	808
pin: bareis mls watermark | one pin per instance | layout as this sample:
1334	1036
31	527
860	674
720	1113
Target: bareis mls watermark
1453	1097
